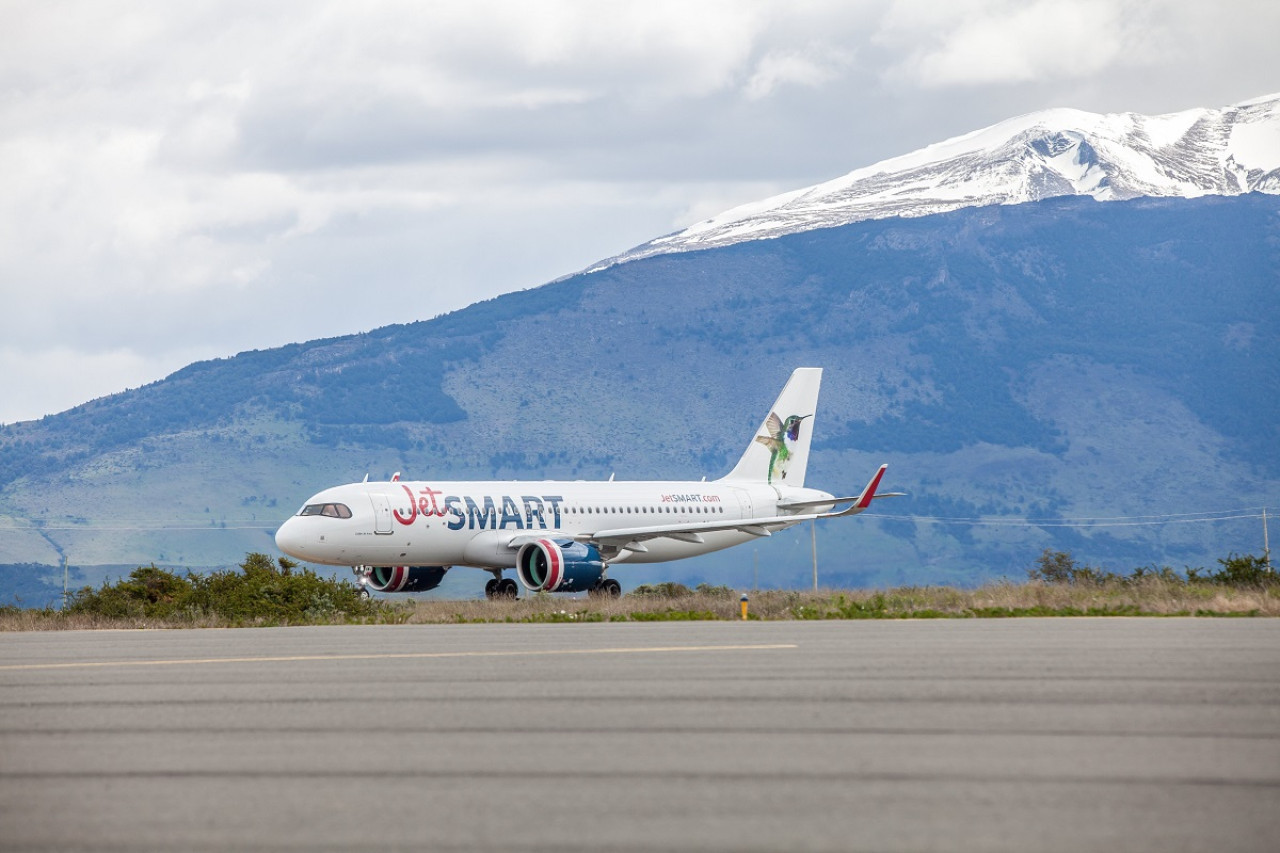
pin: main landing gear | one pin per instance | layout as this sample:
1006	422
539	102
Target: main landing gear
501	588
607	588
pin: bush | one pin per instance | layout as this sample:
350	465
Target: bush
662	590
1058	567
1244	570
148	592
262	591
1238	571
275	593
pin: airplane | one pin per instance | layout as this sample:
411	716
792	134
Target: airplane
562	536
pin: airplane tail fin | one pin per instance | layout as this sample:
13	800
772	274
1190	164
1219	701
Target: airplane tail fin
779	451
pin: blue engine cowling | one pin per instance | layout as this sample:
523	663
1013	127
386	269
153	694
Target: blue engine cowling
559	565
405	578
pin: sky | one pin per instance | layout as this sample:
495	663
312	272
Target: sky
185	181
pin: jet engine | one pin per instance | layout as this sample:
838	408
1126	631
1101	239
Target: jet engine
559	565
404	578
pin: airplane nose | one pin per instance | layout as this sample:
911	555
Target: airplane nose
289	541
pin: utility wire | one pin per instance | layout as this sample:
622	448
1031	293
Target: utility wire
1211	516
90	528
1201	517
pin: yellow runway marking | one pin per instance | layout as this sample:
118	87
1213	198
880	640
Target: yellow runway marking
392	656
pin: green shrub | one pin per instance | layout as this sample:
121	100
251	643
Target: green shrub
276	593
148	592
262	591
662	590
1244	571
1059	567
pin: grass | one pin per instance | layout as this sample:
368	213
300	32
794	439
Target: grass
1145	597
1148	596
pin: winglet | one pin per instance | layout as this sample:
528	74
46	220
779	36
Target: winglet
864	500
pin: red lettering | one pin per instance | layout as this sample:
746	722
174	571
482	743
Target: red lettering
424	504
413	509
434	510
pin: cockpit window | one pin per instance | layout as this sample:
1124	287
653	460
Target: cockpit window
328	510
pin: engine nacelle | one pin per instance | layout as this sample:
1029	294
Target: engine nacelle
404	578
559	565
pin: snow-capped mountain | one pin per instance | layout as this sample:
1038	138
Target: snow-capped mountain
1044	154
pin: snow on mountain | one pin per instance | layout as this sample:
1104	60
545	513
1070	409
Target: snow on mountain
1041	155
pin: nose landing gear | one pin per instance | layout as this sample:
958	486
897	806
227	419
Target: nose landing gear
362	574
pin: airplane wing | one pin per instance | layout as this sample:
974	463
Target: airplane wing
633	538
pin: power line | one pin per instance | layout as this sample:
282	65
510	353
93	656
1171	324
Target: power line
1084	522
93	528
1203	517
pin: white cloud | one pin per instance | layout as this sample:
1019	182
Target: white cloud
779	68
1000	41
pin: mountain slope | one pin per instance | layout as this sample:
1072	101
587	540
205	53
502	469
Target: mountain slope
1042	155
1061	358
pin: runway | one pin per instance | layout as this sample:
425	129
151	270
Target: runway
1021	734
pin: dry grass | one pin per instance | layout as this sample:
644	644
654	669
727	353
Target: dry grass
46	620
13	619
1145	597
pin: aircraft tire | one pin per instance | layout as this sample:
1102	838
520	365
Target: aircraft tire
506	588
491	589
610	588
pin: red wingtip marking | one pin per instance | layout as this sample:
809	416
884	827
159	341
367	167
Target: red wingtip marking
870	491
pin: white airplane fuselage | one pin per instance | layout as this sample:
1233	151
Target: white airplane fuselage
474	523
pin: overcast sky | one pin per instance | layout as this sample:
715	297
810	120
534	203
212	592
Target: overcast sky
181	181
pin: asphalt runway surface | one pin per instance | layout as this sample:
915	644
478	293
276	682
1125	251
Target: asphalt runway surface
1020	734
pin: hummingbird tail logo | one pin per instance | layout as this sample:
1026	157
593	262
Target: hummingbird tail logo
780	436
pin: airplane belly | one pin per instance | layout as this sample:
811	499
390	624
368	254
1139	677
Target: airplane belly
666	550
489	549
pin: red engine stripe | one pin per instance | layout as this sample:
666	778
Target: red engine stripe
555	565
399	574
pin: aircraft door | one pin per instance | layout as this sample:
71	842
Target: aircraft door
744	503
381	513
